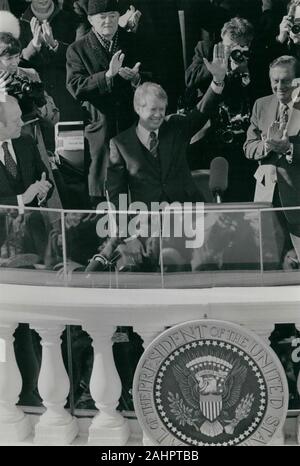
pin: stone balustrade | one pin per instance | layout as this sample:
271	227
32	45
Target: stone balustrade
48	309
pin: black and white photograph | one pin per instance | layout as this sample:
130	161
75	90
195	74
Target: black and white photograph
149	225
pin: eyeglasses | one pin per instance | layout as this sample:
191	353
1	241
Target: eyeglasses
239	56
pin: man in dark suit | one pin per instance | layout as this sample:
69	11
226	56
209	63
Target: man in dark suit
273	139
23	176
150	158
102	71
23	181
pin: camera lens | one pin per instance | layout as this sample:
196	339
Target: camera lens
237	56
296	29
26	88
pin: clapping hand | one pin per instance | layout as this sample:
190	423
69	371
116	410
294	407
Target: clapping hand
38	189
219	65
42	33
277	140
130	74
37	32
130	20
48	35
115	64
43	187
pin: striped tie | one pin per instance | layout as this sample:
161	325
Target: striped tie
9	162
284	116
153	147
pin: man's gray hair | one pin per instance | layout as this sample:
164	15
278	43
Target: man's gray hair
239	29
145	89
286	60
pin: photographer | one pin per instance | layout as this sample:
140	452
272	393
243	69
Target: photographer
288	39
25	85
227	131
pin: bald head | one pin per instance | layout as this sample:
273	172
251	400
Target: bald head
10	119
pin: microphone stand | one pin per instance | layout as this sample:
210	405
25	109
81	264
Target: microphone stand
217	196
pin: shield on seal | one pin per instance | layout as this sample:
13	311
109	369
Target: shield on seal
211	406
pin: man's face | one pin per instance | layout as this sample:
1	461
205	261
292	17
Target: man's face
41	5
281	82
11	122
296	37
152	114
105	24
9	63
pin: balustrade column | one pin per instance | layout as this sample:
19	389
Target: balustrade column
148	333
56	426
14	424
108	426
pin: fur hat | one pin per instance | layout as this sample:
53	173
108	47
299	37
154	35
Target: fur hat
9	23
102	6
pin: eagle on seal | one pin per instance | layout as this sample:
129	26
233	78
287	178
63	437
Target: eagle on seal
210	384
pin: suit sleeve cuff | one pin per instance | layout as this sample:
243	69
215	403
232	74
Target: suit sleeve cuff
20	203
217	88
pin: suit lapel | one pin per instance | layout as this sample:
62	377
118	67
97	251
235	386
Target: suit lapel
293	128
272	111
166	152
5	185
97	54
135	148
22	161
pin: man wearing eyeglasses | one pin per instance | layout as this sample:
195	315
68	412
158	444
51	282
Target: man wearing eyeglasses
227	131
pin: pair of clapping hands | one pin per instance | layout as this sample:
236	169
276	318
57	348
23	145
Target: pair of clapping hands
116	68
42	33
38	189
276	140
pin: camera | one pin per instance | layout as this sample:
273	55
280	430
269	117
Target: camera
231	127
296	28
291	16
29	93
19	85
239	56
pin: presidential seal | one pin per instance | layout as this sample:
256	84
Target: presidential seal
210	383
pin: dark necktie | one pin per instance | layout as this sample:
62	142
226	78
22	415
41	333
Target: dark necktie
153	147
284	116
9	162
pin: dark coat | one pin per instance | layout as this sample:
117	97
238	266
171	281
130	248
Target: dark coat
87	63
130	168
51	65
30	168
288	175
109	111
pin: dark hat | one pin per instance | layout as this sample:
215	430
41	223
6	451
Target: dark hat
102	6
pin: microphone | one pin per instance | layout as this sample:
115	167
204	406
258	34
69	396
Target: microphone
218	179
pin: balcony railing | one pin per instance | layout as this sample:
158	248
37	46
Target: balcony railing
226	245
231	277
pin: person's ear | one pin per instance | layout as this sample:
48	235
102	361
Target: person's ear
90	20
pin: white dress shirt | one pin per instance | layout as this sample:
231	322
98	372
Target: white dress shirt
144	135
